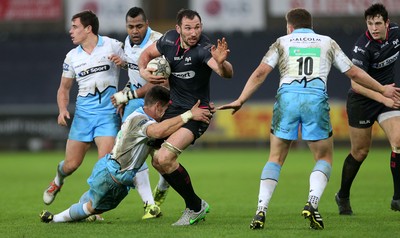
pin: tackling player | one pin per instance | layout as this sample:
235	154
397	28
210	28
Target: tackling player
113	175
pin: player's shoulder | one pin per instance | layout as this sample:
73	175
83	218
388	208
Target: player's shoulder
155	35
394	30
394	26
205	41
136	119
364	40
74	51
111	41
170	37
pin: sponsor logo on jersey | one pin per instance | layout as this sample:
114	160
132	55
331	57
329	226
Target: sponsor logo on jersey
358	49
396	43
65	67
385	44
188	60
364	122
386	62
93	70
178	57
184	75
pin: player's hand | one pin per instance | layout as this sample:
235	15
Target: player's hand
390	91
221	51
117	60
212	107
147	74
62	118
201	114
235	105
388	102
121	97
120	110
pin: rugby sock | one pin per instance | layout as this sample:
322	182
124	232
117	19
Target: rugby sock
79	211
269	181
162	184
267	188
180	181
395	168
76	212
349	172
62	216
318	182
142	185
60	175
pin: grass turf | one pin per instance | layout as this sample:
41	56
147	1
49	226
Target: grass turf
227	179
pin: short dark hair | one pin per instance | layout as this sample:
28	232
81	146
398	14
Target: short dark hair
375	10
157	94
136	11
299	18
88	18
186	13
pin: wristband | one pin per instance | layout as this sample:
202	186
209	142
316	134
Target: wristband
129	95
186	116
135	94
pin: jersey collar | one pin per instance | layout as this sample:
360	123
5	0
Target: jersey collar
303	30
140	110
100	42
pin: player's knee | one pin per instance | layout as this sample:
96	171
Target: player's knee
360	154
168	154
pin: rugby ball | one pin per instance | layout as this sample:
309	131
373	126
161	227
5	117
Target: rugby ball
161	66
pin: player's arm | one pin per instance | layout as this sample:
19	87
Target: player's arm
122	97
63	100
388	102
148	54
364	79
253	83
167	127
218	62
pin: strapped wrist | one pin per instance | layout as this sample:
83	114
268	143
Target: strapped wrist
186	116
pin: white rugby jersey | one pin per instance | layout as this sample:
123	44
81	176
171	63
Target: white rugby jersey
131	149
94	72
133	53
304	59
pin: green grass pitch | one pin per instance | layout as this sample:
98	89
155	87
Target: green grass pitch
227	179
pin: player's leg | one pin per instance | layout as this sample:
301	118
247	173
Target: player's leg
104	145
322	151
178	177
390	123
360	139
142	185
316	129
284	129
79	139
160	191
74	155
279	149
